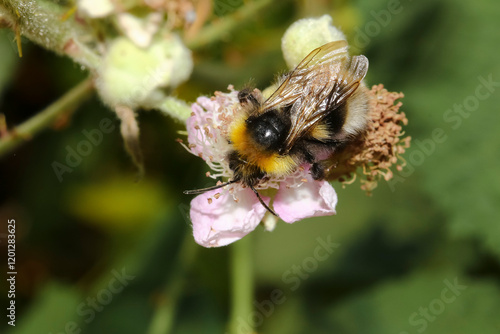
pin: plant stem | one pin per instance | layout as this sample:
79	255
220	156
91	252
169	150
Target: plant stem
47	24
242	286
217	29
164	315
46	117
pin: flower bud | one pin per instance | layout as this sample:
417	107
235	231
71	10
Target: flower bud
135	77
306	35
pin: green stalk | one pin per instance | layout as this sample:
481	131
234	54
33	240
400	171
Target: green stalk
46	117
217	29
163	318
242	286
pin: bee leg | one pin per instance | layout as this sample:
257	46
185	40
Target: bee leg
262	202
318	171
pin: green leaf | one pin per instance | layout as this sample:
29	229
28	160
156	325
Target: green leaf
441	55
439	302
53	311
8	50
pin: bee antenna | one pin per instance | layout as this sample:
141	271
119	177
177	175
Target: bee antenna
262	202
201	191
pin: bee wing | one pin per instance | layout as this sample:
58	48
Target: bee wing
319	84
290	89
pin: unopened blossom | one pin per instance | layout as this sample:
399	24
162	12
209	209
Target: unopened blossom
307	34
224	215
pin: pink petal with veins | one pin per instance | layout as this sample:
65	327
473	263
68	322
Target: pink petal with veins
224	220
311	199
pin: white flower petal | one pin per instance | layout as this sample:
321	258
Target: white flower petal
219	222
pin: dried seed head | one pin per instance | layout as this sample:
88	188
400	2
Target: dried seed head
379	147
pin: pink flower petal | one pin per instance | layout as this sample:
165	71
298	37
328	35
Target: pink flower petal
197	119
311	199
224	220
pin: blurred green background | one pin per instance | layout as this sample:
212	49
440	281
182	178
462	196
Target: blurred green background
421	255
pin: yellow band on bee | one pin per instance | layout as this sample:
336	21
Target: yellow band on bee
269	162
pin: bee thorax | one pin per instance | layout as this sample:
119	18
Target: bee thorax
268	130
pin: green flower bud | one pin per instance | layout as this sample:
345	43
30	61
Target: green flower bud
136	77
306	35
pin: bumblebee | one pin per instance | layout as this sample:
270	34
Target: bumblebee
317	108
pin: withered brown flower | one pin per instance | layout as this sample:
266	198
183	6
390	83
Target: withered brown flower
379	147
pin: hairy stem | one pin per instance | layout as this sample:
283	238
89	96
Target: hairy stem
46	117
45	23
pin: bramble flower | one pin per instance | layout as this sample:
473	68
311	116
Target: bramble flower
224	215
